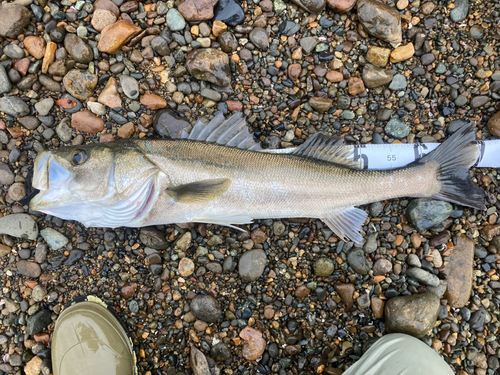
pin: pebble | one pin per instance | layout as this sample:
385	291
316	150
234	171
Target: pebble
252	264
378	56
6	175
494	124
38	322
402	53
153	238
175	21
29	269
398	82
414	315
19	225
427	213
15	17
359	262
115	36
324	267
168	125
109	96
209	64
230	12
254	345
35	46
397	128
14	51
197	10
460	11
14	106
382	267
459	271
374	77
260	38
78	49
423	277
341	6
33	367
205	308
129	86
80	84
86	121
5	85
54	239
102	18
153	102
385	26
44	106
346	293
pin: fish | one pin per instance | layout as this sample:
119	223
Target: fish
219	174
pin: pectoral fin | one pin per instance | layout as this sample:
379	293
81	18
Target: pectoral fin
199	191
347	222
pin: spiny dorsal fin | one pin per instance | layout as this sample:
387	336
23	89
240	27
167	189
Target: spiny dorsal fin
327	148
199	191
347	222
232	132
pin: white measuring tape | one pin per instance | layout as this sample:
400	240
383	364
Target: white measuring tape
391	156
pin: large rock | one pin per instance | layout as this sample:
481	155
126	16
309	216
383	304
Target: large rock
414	315
459	271
197	10
252	264
209	64
80	84
115	36
374	76
78	49
380	20
428	213
15	18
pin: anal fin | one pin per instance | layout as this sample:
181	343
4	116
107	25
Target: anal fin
347	223
199	191
226	221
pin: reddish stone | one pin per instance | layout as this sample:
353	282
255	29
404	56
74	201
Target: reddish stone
126	131
128	290
341	6
22	65
86	121
35	46
153	102
356	86
197	10
294	71
346	292
334	76
254	344
114	36
66	103
234	106
15	131
106	138
302	291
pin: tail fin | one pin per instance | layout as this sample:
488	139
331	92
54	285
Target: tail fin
454	158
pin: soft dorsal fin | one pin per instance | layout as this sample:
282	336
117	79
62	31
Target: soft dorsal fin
327	148
347	222
232	132
199	191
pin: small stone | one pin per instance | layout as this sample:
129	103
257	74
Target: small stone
78	49
427	213
15	17
494	124
398	82
254	345
126	131
356	86
479	101
414	315
197	10
175	21
186	267
230	12
218	28
359	262
259	38
20	226
29	269
320	104
308	44
5	85
377	307
341	6
128	290
346	293
17	191
380	20
252	264
86	121
54	239
35	46
302	291
378	56
205	308
374	76
38	322
168	125
14	106
209	64
33	367
153	102
129	86
114	36
397	128
423	277
324	267
382	267
109	95
6	175
459	271
80	84
153	238
44	106
97	108
460	11
402	53
102	18
427	7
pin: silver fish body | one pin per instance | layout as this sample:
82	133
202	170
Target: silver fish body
150	182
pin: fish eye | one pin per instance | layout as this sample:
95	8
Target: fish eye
79	157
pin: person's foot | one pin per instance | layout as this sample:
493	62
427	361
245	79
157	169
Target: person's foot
89	339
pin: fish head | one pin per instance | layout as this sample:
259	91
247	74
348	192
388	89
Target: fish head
99	185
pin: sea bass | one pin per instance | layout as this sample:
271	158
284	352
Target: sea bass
217	174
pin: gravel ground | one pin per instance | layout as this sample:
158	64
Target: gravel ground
287	296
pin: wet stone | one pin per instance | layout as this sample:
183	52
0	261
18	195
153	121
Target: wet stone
359	262
324	267
153	238
229	12
254	345
168	125
14	106
460	11
19	225
80	84
252	264
175	21
459	273
346	292
38	322
423	277
260	38
205	308
29	269
398	82
15	17
381	21
414	315
78	49
375	77
397	128
427	213
209	64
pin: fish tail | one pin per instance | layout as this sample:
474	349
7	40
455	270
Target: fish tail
453	159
